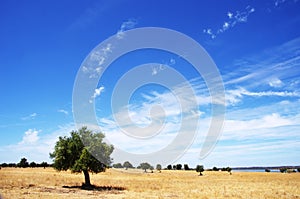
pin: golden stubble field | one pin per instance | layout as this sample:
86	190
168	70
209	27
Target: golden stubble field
48	183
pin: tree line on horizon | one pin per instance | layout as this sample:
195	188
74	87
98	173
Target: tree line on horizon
25	164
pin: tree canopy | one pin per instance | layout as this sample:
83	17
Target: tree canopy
74	153
145	166
127	165
200	169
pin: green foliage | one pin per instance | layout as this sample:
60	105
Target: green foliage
298	169
117	165
283	170
23	163
200	169
178	166
169	167
145	166
186	167
174	167
32	164
158	167
267	170
228	169
215	169
127	165
74	152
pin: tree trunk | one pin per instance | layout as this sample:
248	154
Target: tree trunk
87	178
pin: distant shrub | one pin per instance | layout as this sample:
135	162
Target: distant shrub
158	167
169	167
283	170
178	166
267	170
215	169
186	167
117	165
298	169
33	164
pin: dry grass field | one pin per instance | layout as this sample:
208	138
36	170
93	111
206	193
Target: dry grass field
48	183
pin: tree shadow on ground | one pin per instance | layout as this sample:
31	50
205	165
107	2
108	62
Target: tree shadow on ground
96	188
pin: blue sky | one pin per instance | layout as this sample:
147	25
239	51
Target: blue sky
255	45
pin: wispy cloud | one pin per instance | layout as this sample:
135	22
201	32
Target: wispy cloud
98	57
30	117
126	25
233	18
235	96
277	3
63	111
275	68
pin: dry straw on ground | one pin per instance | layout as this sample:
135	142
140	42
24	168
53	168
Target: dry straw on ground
48	183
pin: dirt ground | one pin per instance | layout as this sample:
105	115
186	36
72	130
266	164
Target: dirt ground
48	183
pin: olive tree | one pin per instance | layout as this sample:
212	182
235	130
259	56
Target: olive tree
127	165
71	153
200	169
145	166
158	167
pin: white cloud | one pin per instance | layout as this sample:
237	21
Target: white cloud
266	121
33	146
127	25
30	136
97	93
63	111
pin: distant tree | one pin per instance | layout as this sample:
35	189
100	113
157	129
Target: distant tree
145	166
229	170
151	169
32	164
186	167
178	166
23	163
224	169
117	165
215	169
12	165
158	167
71	153
283	170
127	165
174	167
267	170
4	165
298	169
200	169
43	164
169	167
